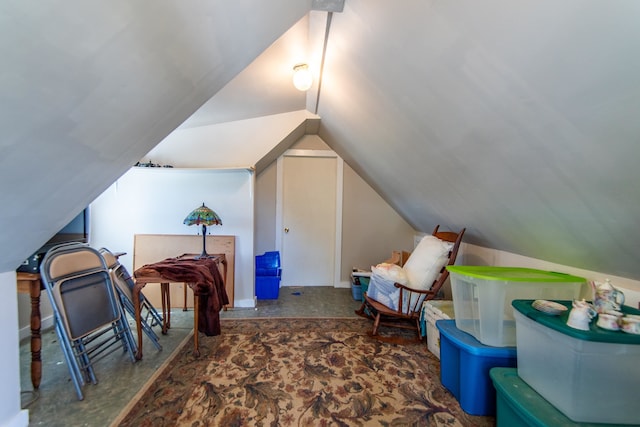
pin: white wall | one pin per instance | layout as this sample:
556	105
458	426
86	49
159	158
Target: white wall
10	413
371	228
156	201
477	255
242	143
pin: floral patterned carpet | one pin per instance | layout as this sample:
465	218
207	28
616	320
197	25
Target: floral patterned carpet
298	372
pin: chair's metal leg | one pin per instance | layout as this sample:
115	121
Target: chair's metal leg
87	366
74	371
131	342
127	306
154	313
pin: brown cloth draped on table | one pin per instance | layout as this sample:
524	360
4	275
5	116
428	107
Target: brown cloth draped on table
203	276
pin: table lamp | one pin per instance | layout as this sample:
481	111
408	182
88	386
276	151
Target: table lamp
205	216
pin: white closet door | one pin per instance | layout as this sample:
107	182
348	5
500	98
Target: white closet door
308	221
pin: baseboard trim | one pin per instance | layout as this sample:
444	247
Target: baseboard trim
344	284
244	303
21	419
45	323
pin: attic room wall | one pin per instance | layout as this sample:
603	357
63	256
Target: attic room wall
265	210
477	255
370	227
10	413
156	200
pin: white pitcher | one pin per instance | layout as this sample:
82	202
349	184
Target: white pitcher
581	315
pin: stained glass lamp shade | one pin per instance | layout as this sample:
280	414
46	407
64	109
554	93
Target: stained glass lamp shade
203	216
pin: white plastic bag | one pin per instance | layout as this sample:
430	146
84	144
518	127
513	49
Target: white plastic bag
382	284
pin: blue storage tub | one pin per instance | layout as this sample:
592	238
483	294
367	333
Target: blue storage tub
464	368
268	264
267	287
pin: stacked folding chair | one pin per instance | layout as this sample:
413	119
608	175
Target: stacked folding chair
88	317
124	286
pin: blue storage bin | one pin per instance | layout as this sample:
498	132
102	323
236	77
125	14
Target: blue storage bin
267	287
268	272
464	368
268	260
268	264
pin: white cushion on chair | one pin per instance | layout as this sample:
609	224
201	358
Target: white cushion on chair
392	272
426	261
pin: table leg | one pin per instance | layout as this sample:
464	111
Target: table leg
224	265
166	307
36	339
136	304
196	308
184	307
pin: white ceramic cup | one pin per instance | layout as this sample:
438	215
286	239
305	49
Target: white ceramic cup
608	321
630	325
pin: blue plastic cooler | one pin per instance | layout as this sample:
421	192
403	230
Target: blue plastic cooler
464	368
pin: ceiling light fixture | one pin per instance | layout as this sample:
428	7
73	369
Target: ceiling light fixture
302	77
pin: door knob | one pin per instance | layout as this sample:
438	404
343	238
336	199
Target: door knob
286	229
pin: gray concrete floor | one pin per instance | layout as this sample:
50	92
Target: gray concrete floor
55	403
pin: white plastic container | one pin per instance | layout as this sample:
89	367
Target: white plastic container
591	376
432	311
482	297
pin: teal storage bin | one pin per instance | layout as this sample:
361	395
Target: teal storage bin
584	374
517	404
359	284
464	368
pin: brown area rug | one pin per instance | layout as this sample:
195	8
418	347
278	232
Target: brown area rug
298	372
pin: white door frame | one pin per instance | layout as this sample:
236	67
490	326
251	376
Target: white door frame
339	189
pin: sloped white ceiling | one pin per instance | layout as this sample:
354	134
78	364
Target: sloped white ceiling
517	120
87	88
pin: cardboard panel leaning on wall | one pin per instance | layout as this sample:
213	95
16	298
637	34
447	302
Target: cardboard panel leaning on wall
156	201
150	248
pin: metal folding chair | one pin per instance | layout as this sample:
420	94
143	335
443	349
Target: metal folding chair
124	286
88	317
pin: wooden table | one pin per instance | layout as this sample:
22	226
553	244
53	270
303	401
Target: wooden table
141	280
29	283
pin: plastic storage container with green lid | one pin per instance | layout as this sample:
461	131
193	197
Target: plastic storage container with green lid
519	405
559	323
590	376
482	297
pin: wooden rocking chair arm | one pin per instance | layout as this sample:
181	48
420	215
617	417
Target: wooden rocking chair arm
417	291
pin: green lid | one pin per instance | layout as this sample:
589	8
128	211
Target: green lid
559	323
513	274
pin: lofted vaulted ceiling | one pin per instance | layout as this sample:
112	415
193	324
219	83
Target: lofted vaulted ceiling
517	120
